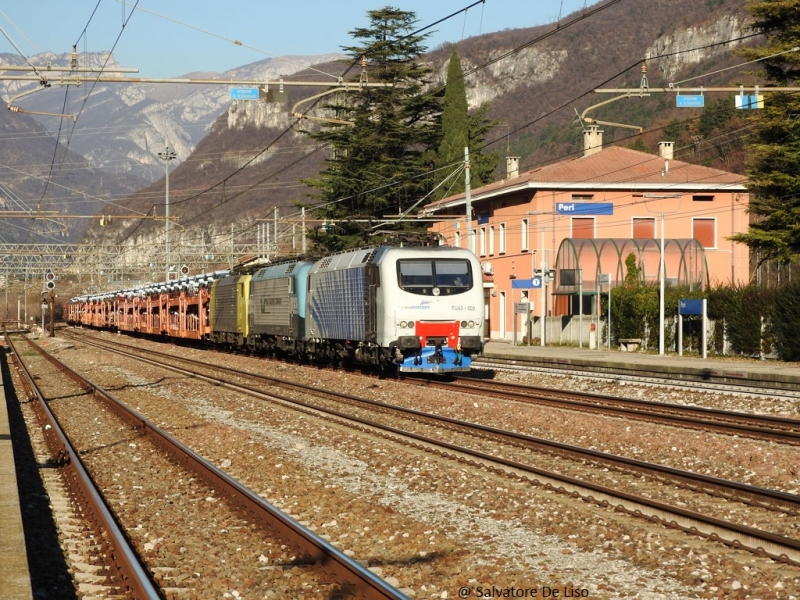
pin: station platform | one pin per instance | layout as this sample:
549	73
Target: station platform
15	580
723	369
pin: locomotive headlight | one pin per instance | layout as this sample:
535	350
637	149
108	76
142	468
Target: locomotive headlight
411	324
403	324
471	324
463	324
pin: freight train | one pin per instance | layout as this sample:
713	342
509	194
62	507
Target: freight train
410	309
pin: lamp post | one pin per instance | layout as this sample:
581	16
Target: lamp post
167	155
662	265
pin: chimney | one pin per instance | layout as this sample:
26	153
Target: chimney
665	150
592	140
512	167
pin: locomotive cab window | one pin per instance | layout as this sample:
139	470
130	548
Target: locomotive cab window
424	276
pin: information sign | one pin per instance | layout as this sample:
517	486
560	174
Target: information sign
690	307
526	284
691	101
521	308
244	93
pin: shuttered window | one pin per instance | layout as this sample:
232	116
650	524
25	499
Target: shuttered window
583	228
644	228
705	232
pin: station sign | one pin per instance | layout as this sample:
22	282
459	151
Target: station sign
690	307
526	284
585	208
244	93
690	101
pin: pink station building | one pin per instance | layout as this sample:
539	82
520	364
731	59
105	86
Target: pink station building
552	239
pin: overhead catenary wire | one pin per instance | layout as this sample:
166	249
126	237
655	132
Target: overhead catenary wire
514	131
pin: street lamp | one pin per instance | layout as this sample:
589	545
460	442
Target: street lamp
167	155
662	266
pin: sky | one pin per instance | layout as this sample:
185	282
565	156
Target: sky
170	38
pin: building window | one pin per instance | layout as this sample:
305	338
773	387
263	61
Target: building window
502	238
644	228
705	232
582	197
471	240
583	228
457	242
705	198
491	240
524	234
482	241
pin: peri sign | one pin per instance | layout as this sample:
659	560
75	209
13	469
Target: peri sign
584	208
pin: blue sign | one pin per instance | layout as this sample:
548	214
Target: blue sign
692	101
526	284
585	208
690	307
244	93
746	102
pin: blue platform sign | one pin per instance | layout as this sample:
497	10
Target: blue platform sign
690	307
690	101
244	93
585	208
526	284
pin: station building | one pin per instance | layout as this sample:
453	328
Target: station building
552	239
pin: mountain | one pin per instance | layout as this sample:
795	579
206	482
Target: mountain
122	126
111	150
36	173
538	81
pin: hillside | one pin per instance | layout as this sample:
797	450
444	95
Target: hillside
37	173
537	81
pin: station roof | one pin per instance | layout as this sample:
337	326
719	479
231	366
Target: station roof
612	168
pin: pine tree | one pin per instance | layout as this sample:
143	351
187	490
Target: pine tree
376	165
774	152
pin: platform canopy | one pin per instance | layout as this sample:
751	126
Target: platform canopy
580	262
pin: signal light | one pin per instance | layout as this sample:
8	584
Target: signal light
51	285
50	276
184	270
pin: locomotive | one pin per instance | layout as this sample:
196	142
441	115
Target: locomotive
410	309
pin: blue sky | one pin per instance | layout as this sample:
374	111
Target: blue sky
174	37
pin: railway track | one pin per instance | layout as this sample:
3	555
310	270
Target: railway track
114	560
127	457
761	520
764	427
717	380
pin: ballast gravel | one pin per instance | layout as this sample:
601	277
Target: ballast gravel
437	528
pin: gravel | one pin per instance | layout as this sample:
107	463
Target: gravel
430	525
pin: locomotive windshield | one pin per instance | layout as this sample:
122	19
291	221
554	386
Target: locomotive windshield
424	276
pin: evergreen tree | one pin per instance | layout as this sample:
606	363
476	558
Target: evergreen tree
461	130
455	133
774	152
377	161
